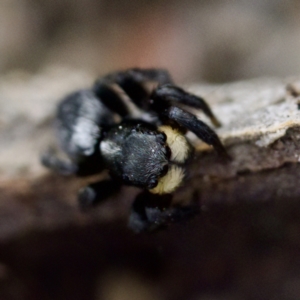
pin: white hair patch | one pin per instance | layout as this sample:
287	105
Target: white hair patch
178	144
170	182
108	147
85	133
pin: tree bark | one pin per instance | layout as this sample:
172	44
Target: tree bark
249	206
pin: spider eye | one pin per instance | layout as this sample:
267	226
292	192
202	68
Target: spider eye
168	152
162	137
152	183
164	170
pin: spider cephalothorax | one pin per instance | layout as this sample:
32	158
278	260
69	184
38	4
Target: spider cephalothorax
145	156
132	123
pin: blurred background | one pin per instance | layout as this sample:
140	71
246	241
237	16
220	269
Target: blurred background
215	41
238	251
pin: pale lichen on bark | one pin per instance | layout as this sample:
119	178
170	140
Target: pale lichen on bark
257	117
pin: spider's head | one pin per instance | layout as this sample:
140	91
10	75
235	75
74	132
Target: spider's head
142	156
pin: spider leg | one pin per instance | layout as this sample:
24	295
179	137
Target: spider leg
87	167
203	131
65	167
133	82
152	212
161	76
110	97
175	94
97	192
187	120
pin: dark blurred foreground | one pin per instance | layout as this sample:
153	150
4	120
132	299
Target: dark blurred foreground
245	243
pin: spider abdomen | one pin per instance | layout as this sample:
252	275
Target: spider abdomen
79	123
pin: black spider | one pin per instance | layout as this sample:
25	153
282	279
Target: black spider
133	124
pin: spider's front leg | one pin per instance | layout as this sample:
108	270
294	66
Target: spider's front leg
162	104
134	84
97	192
64	167
175	94
203	131
89	195
151	212
137	75
87	167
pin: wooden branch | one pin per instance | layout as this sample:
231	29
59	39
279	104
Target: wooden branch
42	229
260	130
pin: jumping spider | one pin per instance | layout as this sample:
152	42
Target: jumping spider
133	124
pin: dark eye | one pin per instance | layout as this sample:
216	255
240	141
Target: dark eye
161	137
164	170
168	152
152	183
125	178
